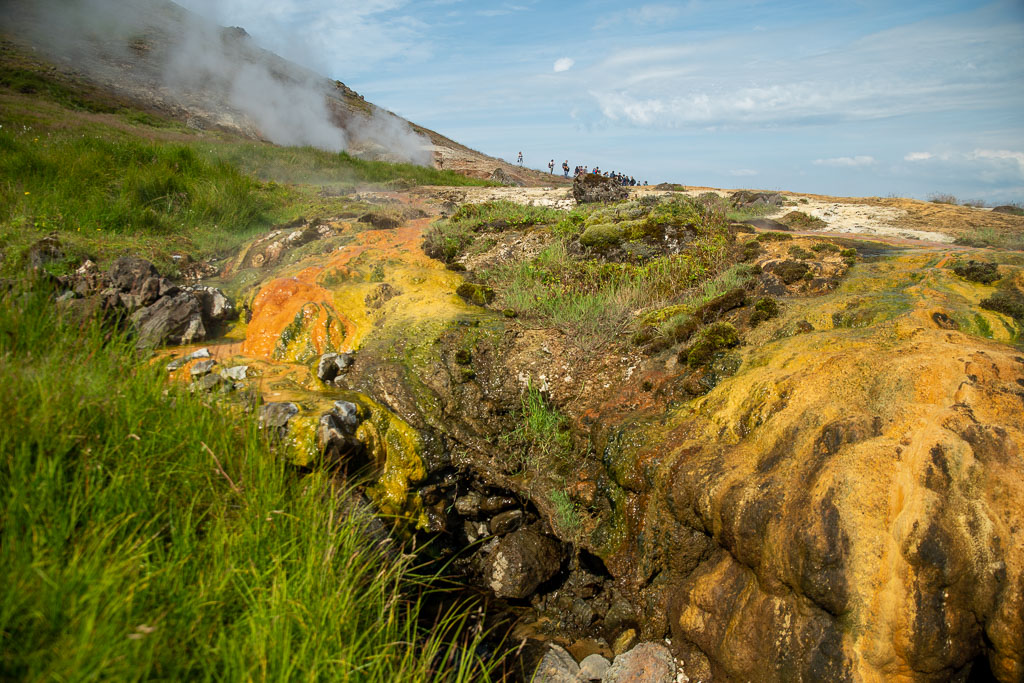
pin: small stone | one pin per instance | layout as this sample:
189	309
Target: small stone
203	367
208	382
645	663
593	668
624	641
556	666
276	415
236	373
468	505
348	415
506	522
178	363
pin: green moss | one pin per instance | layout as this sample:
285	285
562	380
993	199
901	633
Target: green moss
601	236
711	339
765	309
982	272
984	329
790	271
802	221
773	237
800	253
481	295
825	247
1009	301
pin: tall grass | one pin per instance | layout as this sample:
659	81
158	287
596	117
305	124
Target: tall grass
148	533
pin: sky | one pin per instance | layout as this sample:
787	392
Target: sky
856	98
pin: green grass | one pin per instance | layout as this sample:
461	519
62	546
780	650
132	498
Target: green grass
149	533
567	514
991	237
450	238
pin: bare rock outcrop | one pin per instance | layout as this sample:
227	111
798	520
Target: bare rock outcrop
591	187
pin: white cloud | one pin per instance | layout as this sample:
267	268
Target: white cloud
563	64
847	162
999	155
919	156
743	172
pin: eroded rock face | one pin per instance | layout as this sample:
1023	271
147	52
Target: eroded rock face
174	319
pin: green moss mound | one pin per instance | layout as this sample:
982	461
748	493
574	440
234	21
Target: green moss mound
981	272
710	341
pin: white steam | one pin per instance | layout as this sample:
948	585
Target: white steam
159	52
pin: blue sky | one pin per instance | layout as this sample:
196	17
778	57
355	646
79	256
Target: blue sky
847	98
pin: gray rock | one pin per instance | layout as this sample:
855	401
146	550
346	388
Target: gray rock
217	308
645	663
500	176
180	362
149	291
129	272
506	522
210	382
275	416
590	187
46	250
172	319
521	562
203	367
593	668
556	666
747	199
236	373
767	224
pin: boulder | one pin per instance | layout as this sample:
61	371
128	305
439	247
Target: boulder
203	367
129	273
217	308
500	176
174	319
556	666
178	363
236	373
506	522
590	187
593	668
645	663
520	563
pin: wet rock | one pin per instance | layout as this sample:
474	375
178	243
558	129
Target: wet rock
275	416
331	365
335	437
590	187
178	363
556	666
348	415
944	322
492	504
236	373
520	563
469	504
203	367
646	663
506	522
171	320
593	668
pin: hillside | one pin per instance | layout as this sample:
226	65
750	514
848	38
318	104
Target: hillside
349	417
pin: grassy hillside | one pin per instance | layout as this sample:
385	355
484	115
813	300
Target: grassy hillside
148	532
110	178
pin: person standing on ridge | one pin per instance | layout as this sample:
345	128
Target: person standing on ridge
565	168
520	159
551	166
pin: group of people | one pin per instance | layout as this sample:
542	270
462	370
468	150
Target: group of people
622	179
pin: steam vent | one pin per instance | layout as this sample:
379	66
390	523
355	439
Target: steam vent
296	389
